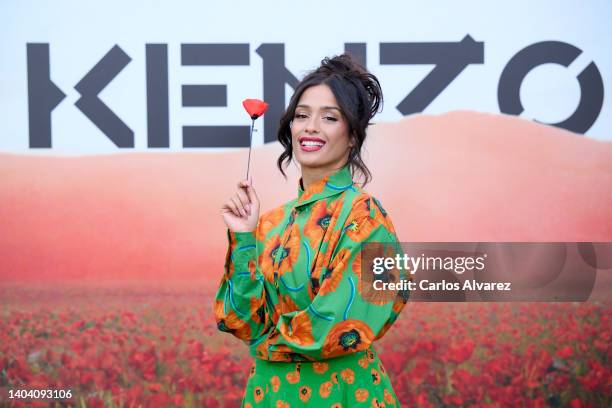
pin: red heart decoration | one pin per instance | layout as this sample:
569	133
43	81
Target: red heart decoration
255	107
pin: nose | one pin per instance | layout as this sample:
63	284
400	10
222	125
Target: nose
313	125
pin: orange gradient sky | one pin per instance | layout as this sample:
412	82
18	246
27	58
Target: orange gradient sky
460	176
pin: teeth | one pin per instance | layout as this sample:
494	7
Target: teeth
311	143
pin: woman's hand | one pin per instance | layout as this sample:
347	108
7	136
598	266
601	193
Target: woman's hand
241	211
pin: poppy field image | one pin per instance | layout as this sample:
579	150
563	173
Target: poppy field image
110	296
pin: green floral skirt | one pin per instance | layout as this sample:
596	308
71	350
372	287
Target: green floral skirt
354	380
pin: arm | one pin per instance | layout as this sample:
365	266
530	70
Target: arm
340	320
240	300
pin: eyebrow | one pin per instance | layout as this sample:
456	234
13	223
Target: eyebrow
322	107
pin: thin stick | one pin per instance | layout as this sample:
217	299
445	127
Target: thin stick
250	146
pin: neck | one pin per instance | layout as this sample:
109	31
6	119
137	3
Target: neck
312	175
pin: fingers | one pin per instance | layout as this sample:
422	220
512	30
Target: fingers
230	206
244	200
241	203
239	206
251	192
247	185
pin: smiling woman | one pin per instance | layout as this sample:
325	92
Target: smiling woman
292	283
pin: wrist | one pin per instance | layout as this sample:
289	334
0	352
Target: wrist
241	238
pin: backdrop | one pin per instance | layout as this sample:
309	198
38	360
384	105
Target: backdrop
122	132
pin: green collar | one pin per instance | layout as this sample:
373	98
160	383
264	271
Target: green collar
333	184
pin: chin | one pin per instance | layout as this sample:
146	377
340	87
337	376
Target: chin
312	164
309	161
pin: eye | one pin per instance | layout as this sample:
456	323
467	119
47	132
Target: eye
331	118
299	116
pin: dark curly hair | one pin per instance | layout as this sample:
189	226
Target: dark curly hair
359	96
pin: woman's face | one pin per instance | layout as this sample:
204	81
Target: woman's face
319	131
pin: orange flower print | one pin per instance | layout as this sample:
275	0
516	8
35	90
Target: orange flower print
262	349
252	371
337	405
258	394
369	294
331	241
288	305
266	259
320	367
314	188
388	397
281	351
323	259
346	337
332	276
290	251
362	206
284	356
321	218
229	265
372	206
286	255
247	405
334	377
258	310
282	404
299	331
361	395
370	355
305	393
361	223
293	377
382	368
285	305
275	382
363	362
400	301
387	222
359	228
378	404
375	376
268	222
348	375
252	268
325	389
231	323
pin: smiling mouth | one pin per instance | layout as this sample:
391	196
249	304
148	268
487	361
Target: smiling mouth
311	143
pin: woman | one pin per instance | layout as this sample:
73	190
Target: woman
292	288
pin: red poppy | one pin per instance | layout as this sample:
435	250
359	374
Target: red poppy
255	107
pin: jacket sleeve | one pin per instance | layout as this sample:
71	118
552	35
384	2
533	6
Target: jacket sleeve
345	315
240	301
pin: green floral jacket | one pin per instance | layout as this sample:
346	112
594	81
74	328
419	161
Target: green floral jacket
292	289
